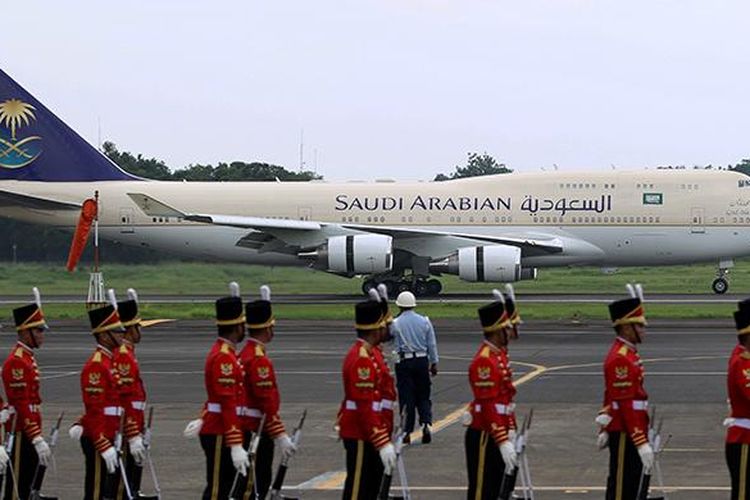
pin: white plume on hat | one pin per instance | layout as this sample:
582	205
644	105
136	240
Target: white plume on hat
383	291
510	291
631	290
37	297
498	295
112	298
639	291
373	294
265	293
132	294
234	289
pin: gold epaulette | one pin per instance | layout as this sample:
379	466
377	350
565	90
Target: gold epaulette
225	348
259	351
745	355
623	351
19	352
97	357
123	349
363	352
485	352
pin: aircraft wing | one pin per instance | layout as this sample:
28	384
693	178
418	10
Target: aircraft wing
11	199
282	235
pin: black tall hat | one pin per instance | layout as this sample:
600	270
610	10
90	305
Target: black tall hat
31	315
105	319
628	311
493	317
742	321
259	313
128	310
368	315
229	309
511	304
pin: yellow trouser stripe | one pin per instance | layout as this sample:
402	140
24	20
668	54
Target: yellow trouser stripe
16	464
217	468
121	484
620	467
743	472
358	469
483	438
250	485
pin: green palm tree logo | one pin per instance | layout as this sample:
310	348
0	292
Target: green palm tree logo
14	114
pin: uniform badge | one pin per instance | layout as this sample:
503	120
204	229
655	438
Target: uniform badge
95	378
363	373
746	372
17	373
621	372
483	372
124	368
263	371
226	369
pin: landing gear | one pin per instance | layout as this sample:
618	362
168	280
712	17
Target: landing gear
420	287
721	284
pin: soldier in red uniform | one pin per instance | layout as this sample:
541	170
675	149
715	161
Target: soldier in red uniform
219	425
100	387
738	424
489	450
366	441
624	415
21	379
132	392
262	394
387	388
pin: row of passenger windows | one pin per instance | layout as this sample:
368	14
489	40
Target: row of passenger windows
597	220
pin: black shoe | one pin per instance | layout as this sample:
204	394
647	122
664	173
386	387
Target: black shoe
406	439
426	434
141	496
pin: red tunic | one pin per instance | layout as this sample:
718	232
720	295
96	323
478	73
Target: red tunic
21	381
491	381
387	390
101	399
262	391
738	388
223	380
625	398
359	416
132	390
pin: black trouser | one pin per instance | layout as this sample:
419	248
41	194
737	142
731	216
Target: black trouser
413	381
263	467
739	469
364	470
625	468
134	473
484	464
98	484
219	469
23	462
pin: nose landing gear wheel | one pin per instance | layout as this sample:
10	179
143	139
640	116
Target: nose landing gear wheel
720	285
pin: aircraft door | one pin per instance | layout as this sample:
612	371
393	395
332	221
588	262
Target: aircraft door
697	223
304	213
126	221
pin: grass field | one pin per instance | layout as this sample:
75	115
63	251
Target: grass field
195	278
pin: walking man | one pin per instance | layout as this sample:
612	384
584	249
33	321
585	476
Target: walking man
418	360
21	379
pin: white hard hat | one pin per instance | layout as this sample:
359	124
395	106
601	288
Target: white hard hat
406	299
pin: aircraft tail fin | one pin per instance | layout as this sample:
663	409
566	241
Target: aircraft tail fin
35	145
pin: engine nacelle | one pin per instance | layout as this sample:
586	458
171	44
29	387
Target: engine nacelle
484	263
355	254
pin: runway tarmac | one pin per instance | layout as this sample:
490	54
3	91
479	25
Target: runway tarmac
557	367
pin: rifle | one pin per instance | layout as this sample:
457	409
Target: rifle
278	481
385	484
9	448
509	478
654	437
110	485
36	482
147	445
237	491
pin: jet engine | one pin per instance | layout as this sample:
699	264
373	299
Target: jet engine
354	254
484	263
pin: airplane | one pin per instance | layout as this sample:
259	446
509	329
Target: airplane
405	234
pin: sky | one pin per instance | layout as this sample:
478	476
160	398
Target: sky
398	89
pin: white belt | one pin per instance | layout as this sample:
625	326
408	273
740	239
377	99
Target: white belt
32	409
240	410
387	404
139	405
501	409
638	405
113	411
244	411
352	405
410	355
741	422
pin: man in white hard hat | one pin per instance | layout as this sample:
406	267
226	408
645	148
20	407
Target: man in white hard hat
418	359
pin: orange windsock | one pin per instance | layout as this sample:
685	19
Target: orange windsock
81	236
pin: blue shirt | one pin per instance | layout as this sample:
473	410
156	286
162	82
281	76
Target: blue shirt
414	333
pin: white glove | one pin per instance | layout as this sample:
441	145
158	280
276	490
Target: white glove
4	415
508	451
42	450
603	419
193	428
110	459
240	460
466	418
388	456
137	449
602	440
728	422
286	446
4	458
75	432
647	457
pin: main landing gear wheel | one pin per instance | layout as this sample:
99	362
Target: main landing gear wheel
420	287
720	285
